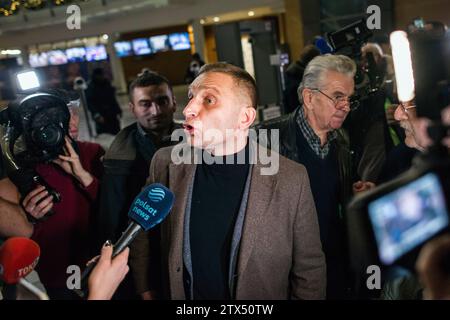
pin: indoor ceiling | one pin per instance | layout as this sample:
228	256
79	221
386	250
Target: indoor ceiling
48	24
50	13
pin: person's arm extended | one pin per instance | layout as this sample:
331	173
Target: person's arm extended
108	274
13	221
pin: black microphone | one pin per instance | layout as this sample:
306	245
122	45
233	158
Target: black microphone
149	208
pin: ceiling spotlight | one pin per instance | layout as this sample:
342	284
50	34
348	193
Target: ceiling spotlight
216	19
202	21
251	13
105	37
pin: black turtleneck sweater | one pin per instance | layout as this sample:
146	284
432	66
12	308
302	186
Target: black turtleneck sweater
216	199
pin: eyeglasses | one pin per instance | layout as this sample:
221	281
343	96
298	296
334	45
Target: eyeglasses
406	108
341	100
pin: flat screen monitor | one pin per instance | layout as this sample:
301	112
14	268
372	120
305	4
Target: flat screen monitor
38	59
77	54
179	41
404	219
141	46
56	57
96	53
123	48
160	43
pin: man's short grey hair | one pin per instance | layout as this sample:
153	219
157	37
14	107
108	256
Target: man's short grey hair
316	69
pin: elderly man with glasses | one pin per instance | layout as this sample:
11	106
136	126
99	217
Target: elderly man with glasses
416	140
312	136
415	128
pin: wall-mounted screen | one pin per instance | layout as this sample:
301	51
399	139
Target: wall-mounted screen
160	43
38	59
179	41
56	57
141	47
77	54
123	48
96	53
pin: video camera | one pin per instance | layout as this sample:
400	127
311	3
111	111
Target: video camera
42	120
348	41
389	224
32	131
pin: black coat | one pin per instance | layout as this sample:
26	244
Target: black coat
293	77
101	100
289	148
126	166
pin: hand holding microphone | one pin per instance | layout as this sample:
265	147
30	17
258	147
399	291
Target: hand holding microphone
108	274
148	209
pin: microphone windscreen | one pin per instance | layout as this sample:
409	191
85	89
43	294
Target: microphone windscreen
323	45
18	257
151	206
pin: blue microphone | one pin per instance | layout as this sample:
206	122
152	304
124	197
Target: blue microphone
148	209
322	45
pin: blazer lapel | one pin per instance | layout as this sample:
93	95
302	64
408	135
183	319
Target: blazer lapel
180	177
260	196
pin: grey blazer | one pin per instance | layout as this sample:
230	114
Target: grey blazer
279	254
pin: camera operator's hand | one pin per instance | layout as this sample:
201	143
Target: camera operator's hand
70	162
430	268
107	274
38	202
361	186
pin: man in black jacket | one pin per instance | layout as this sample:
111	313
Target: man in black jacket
312	136
126	163
102	102
128	159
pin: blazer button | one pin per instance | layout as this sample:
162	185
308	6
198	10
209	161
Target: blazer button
178	269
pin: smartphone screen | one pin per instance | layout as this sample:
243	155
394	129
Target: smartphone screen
407	217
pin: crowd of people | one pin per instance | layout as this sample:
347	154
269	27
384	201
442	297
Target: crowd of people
233	232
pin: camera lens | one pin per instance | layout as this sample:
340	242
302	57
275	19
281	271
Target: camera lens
48	136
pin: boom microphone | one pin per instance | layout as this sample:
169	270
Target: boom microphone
18	258
148	209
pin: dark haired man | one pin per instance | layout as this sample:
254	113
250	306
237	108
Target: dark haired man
127	161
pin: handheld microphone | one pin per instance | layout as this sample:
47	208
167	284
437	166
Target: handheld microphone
322	45
148	209
18	258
